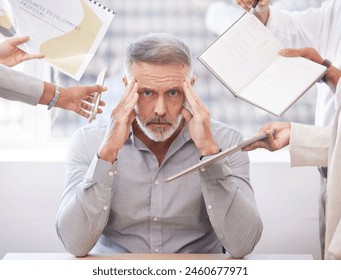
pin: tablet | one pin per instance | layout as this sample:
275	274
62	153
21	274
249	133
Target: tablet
216	157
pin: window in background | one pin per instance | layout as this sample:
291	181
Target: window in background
186	19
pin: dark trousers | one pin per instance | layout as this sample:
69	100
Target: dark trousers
322	207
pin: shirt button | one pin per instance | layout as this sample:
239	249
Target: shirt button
105	208
155	219
209	207
156	250
111	173
156	182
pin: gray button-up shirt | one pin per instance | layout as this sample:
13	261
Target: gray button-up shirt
126	206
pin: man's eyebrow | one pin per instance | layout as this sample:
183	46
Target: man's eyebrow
145	88
178	88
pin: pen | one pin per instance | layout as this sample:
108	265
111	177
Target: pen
254	6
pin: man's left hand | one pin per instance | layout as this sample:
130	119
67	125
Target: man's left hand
199	122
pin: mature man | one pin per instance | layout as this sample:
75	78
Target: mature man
116	199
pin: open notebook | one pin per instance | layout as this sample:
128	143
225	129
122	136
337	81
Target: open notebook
245	58
216	157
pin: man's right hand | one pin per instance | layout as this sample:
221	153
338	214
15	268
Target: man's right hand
121	119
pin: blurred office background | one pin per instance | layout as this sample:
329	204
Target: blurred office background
34	140
187	19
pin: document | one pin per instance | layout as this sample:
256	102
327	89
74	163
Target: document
67	32
245	59
218	156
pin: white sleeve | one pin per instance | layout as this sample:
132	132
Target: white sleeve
296	29
309	145
338	95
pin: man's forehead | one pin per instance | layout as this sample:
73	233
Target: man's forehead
156	84
169	77
143	68
156	76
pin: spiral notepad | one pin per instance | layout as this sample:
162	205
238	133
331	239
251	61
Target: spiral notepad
69	31
103	7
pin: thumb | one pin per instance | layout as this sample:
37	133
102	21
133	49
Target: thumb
93	89
19	40
291	52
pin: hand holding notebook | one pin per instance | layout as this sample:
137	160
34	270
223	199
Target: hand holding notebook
245	58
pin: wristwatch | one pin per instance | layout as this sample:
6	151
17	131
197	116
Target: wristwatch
326	63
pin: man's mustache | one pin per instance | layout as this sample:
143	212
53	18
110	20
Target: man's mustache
158	120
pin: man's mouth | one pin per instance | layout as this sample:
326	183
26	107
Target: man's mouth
158	124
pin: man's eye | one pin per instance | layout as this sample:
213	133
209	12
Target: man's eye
147	93
173	93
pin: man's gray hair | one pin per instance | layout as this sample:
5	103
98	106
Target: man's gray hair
158	48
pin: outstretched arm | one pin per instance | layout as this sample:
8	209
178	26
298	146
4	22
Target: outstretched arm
332	75
77	99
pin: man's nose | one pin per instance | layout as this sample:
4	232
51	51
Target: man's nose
160	107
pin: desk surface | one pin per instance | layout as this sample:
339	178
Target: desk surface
66	256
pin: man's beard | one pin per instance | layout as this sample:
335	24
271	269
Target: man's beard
159	134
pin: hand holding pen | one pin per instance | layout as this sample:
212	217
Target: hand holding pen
254	5
251	4
262	11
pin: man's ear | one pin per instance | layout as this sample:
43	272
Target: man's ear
193	78
124	80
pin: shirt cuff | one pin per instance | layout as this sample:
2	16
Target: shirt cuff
216	170
309	145
101	171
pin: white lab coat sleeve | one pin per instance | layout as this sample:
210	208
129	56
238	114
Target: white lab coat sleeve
309	145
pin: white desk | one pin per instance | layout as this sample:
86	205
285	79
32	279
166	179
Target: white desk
66	256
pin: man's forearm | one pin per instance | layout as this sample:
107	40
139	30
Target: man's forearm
85	209
232	209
